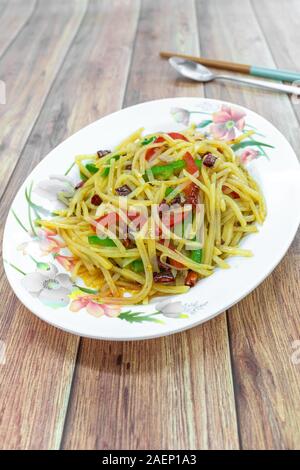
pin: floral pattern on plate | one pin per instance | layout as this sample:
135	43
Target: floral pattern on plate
225	123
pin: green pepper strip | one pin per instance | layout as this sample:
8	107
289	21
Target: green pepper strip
196	255
91	168
83	177
168	191
105	172
137	266
94	240
165	171
148	141
198	163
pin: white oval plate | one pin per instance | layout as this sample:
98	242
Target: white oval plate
275	168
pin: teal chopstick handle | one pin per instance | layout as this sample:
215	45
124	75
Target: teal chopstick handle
275	74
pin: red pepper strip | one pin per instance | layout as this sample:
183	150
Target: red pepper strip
170	221
113	217
177	218
171	218
150	152
191	191
138	220
176	135
190	164
233	194
106	220
132	216
173	262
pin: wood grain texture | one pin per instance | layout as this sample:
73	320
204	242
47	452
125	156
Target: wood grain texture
35	381
174	392
282	37
13	16
151	77
157	394
28	69
23	425
264	324
89	72
47	380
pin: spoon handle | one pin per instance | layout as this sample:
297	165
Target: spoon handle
262	84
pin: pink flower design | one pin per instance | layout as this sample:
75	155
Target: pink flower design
226	122
45	240
248	155
48	243
67	262
93	307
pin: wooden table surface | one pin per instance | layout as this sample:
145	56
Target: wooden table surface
227	384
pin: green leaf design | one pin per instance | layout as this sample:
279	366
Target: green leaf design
37	209
249	127
19	221
139	317
40	264
15	267
249	143
28	198
69	169
86	290
204	123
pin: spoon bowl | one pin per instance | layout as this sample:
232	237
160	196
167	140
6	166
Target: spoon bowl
191	69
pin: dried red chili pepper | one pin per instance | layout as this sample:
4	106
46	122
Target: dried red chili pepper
191	279
79	185
96	200
209	160
123	190
164	277
102	153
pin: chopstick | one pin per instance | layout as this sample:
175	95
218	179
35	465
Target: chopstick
275	74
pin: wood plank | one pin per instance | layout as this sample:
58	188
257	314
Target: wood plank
33	347
35	381
43	41
151	77
263	327
169	393
283	37
13	16
264	324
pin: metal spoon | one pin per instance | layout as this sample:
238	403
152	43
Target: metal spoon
199	73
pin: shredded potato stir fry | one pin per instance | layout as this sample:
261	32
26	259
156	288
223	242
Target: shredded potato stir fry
175	172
